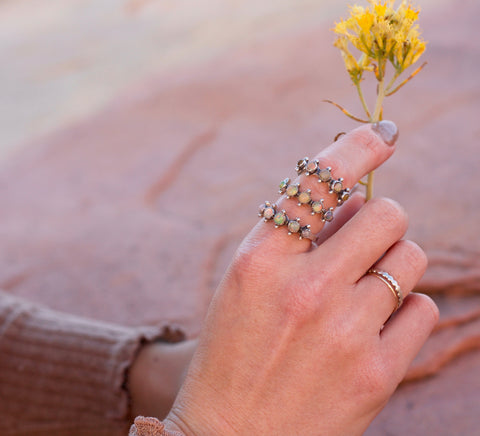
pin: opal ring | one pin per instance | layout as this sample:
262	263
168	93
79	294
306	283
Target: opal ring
324	175
305	198
269	212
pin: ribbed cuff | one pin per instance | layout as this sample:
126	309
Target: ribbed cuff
150	427
63	374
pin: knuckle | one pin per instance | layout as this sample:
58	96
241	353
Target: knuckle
414	257
425	305
390	215
250	258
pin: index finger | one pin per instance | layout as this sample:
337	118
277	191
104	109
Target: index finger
350	158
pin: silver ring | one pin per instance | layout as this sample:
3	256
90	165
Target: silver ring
269	212
391	283
324	175
305	198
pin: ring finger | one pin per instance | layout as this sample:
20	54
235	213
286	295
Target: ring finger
406	263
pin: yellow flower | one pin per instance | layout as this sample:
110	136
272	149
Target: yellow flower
408	11
365	21
356	10
381	34
351	64
380	9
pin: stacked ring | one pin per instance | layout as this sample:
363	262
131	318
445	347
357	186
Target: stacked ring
305	198
324	175
391	283
269	212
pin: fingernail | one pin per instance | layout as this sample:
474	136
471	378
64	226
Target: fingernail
387	130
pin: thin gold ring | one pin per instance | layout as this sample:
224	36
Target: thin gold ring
391	283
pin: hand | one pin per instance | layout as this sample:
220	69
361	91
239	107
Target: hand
156	375
299	340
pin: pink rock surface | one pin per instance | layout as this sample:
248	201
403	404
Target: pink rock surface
133	215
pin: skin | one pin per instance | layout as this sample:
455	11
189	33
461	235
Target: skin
299	340
156	376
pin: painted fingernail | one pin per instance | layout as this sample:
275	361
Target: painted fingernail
387	130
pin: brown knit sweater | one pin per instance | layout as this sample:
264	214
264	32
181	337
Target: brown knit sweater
62	375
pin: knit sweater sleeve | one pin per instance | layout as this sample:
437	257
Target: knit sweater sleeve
147	426
61	374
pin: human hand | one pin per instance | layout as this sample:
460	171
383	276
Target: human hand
298	340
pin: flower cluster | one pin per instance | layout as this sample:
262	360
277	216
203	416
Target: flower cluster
381	34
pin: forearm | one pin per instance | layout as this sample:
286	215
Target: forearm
63	374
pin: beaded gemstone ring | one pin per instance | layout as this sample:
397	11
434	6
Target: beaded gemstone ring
305	198
269	212
324	175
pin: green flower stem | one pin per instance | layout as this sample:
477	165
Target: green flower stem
362	99
377	115
392	82
369	186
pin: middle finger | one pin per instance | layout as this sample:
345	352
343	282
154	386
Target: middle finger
378	225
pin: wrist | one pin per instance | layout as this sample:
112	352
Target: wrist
156	375
174	425
205	415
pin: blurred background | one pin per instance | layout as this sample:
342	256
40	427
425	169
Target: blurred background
115	114
65	60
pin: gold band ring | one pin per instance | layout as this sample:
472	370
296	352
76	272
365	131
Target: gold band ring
391	283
